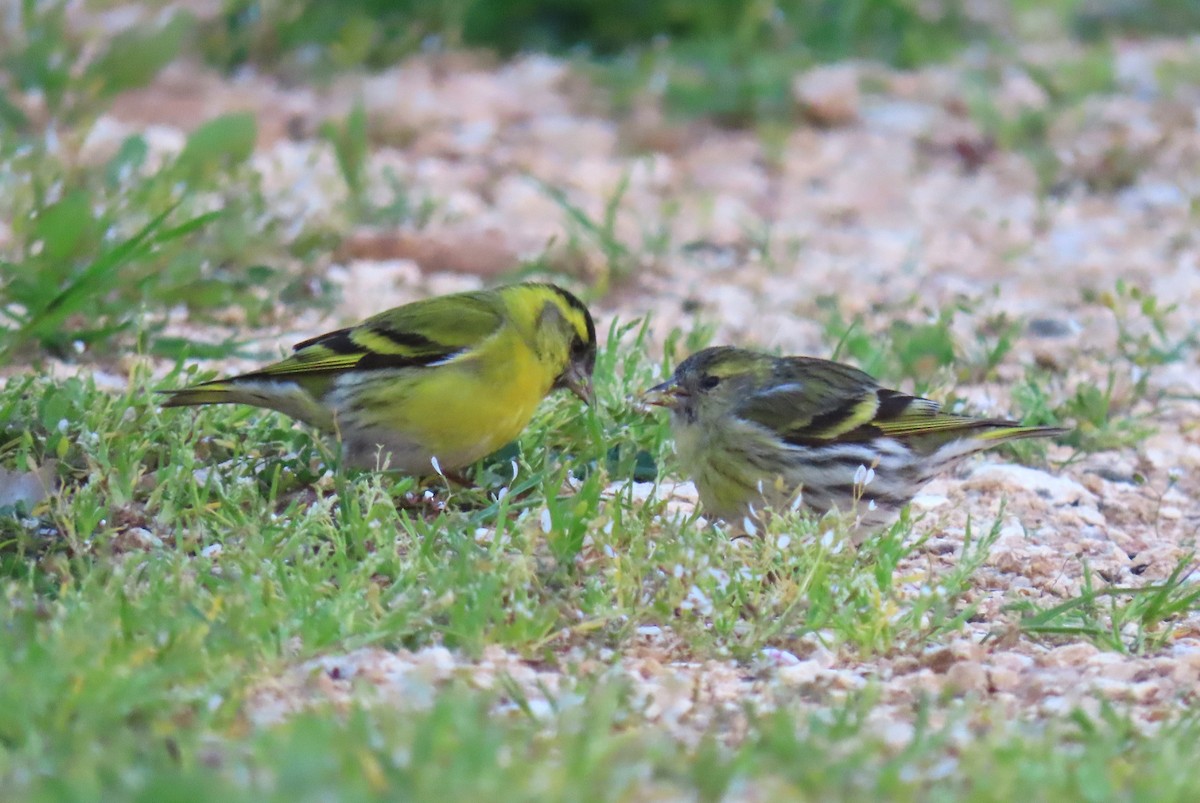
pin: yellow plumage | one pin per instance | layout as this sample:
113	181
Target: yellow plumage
449	379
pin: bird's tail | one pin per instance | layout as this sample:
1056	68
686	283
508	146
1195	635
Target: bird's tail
1011	431
985	435
216	392
285	396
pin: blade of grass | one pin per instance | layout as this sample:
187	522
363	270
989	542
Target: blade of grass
91	281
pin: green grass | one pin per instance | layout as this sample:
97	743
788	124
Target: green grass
76	74
191	556
591	747
1129	620
723	60
101	254
189	559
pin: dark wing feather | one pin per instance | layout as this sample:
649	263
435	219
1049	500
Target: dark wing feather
808	400
416	334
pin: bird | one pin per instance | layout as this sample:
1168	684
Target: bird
756	430
428	387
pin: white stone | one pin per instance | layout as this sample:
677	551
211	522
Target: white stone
829	95
1057	490
802	673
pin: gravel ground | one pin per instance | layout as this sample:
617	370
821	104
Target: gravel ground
886	197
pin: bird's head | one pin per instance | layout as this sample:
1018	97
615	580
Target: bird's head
711	382
563	335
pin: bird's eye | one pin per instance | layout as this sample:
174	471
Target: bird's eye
709	382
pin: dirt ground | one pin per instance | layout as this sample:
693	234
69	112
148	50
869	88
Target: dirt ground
890	200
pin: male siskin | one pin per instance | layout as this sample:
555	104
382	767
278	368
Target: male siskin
428	386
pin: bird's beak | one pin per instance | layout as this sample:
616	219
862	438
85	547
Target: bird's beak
579	382
668	395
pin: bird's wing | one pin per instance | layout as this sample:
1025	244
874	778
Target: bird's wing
914	416
418	334
810	400
815	401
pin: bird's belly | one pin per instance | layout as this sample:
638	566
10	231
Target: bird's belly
452	413
728	476
737	472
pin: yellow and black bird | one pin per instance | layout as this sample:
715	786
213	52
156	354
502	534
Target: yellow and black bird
430	386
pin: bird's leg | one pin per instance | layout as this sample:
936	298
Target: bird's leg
459	478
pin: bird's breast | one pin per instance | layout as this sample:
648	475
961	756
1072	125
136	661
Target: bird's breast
458	411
